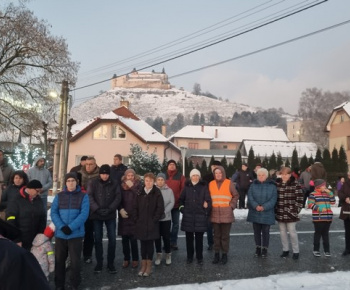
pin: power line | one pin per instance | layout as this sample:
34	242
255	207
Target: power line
212	44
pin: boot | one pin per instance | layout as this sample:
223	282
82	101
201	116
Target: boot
148	268
258	251
143	267
216	258
158	259
264	252
168	259
224	259
284	254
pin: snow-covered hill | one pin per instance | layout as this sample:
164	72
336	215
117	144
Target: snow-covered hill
156	103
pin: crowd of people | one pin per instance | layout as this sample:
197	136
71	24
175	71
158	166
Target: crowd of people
147	210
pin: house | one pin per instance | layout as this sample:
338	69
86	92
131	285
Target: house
338	127
113	133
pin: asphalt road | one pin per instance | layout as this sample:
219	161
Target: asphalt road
241	261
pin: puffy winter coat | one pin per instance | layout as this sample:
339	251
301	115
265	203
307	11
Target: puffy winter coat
244	179
149	210
264	194
318	201
70	208
126	226
27	215
289	201
103	195
10	193
43	251
117	172
169	201
195	216
176	181
343	193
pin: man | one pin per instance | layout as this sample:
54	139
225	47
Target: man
118	168
176	181
81	164
89	172
244	179
304	180
69	211
39	172
105	197
18	267
6	170
208	178
257	167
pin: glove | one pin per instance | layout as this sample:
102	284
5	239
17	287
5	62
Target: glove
182	209
129	183
123	213
66	230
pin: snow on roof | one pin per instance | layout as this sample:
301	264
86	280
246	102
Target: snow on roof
231	134
262	148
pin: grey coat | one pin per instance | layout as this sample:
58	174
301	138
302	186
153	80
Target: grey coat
41	174
169	201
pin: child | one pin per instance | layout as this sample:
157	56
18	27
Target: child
42	250
320	202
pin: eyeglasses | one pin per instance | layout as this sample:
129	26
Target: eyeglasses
89	164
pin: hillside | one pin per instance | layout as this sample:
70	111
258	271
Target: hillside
156	103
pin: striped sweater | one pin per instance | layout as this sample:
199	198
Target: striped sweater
320	203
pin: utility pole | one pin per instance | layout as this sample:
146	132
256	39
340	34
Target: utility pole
65	96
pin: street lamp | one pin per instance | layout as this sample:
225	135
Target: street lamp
183	149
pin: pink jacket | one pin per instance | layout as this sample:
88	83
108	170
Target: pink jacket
43	252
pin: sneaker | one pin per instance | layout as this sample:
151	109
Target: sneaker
316	253
327	254
285	254
98	268
295	256
111	269
158	259
168	259
87	260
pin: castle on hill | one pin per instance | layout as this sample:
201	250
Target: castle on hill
136	79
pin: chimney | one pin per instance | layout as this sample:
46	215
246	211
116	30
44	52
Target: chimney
164	130
124	103
216	133
202	128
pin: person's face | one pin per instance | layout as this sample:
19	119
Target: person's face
257	168
40	163
33	192
322	188
90	166
82	162
149	182
116	161
160	182
104	176
171	167
17	180
218	175
285	176
71	184
262	176
244	168
342	180
130	176
195	178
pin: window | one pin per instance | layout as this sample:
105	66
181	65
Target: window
100	132
224	147
118	133
192	145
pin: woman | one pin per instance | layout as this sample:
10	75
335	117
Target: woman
289	203
339	185
148	211
18	180
165	223
131	186
344	199
27	213
195	205
224	200
262	197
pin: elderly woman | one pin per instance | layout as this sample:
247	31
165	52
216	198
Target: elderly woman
289	203
262	197
195	205
148	211
224	200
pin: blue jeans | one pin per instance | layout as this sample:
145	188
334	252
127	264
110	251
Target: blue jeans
175	220
111	234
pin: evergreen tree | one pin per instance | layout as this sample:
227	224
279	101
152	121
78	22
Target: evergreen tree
157	124
230	170
142	162
311	160
164	165
287	163
190	167
204	168
196	120
224	163
327	161
318	157
343	162
304	163
265	162
279	161
202	119
258	160
272	162
237	162
295	160
198	167
212	159
335	160
251	158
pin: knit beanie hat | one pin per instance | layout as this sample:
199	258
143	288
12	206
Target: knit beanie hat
195	172
171	161
71	175
50	230
319	182
34	184
105	169
161	175
129	171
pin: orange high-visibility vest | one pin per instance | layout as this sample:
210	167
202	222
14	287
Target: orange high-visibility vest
220	197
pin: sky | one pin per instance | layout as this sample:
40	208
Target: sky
112	37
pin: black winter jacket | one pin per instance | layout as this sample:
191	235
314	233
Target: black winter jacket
148	211
117	172
10	193
103	195
28	216
195	216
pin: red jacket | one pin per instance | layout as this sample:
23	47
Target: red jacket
176	181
